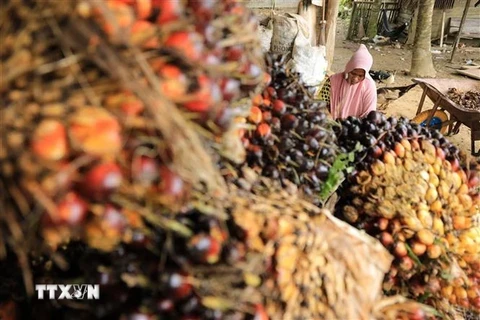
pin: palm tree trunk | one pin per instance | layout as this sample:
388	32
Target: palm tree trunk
422	64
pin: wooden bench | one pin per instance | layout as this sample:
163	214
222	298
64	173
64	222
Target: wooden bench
471	27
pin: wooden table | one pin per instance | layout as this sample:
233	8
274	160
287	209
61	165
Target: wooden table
436	90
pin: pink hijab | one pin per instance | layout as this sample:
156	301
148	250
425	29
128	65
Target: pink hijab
353	100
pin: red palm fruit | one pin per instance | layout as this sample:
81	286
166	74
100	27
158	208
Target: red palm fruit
417	314
174	82
234	53
263	130
72	210
455	164
440	153
376	151
170	10
204	248
260	313
400	249
279	107
123	15
202	98
95	131
267	116
189	44
143	34
171	183
179	285
475	302
257	100
224	118
399	150
216	231
267	78
50	140
386	239
230	88
255	115
101	180
474	180
406	263
270	92
203	9
145	170
126	101
382	224
143	8
132	108
113	218
252	70
211	59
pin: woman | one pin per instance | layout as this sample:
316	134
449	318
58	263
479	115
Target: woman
352	92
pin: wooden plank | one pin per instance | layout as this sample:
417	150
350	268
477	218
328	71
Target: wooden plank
471	25
473	73
279	4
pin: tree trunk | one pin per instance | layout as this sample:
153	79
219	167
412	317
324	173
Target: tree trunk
413	27
332	14
422	63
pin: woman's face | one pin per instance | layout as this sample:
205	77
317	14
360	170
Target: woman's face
355	76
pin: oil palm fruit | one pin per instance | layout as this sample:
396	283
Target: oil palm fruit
288	134
410	190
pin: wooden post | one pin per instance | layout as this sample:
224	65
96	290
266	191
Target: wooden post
442	29
459	34
332	13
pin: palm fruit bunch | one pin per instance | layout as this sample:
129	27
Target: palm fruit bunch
412	191
102	94
205	53
158	274
289	135
100	147
273	256
310	257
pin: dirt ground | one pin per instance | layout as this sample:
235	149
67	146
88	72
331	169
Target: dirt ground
391	58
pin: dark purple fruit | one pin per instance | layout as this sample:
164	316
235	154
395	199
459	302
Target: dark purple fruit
275	124
374	117
289	122
312	143
321	171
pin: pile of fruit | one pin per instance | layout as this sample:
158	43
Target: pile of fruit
410	191
113	114
111	108
118	115
468	99
290	136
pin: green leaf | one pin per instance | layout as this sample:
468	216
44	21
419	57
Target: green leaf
412	255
